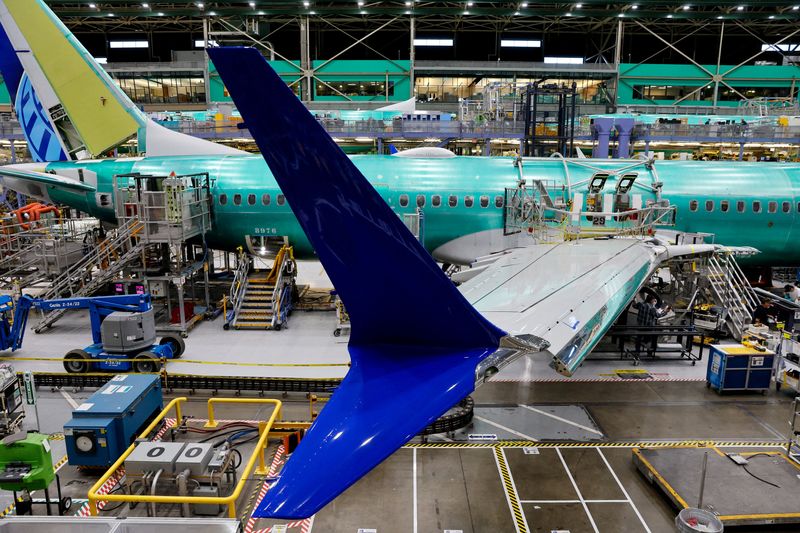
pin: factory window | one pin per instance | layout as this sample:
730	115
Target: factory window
420	200
724	206
498	201
772	207
251	199
693	205
468	201
740	206
177	87
453	201
265	199
436	200
223	199
709	205
403	200
484	201
786	207
756	206
281	199
355	88
237	199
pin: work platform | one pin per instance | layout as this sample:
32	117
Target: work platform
731	491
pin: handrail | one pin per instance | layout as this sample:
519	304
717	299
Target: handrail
238	286
230	500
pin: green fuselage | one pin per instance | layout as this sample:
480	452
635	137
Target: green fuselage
248	201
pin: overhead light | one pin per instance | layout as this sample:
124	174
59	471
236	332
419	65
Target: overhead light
433	42
795	8
568	14
563	60
739	8
111	14
92	6
669	16
687	7
578	6
360	4
201	5
621	15
520	43
252	4
408	4
524	4
720	17
146	5
635	6
160	13
466	12
516	13
470	4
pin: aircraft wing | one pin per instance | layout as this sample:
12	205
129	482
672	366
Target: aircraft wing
31	181
570	293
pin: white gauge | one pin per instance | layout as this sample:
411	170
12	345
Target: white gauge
84	443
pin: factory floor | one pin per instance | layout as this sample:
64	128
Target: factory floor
569	467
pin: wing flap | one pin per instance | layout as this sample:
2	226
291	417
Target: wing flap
569	294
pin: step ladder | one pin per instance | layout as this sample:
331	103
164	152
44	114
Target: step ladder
101	265
731	290
262	300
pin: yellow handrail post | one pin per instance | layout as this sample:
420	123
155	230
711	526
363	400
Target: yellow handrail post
262	463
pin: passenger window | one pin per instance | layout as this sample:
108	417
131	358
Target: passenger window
468	201
498	201
420	200
265	199
756	206
453	201
281	199
436	200
237	199
786	207
709	205
693	205
740	206
403	200
772	207
484	201
223	200
724	206
251	199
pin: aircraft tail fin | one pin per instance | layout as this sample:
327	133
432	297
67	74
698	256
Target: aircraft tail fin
89	113
416	342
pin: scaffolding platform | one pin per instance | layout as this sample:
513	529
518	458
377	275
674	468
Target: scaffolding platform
736	496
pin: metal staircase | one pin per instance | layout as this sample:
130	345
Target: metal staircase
262	300
732	291
102	264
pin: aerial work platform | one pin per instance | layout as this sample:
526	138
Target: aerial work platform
732	491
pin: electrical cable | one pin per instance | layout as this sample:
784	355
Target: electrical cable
118	505
755	476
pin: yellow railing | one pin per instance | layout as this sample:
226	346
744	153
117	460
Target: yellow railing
230	500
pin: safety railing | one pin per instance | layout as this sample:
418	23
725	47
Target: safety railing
229	501
276	276
238	287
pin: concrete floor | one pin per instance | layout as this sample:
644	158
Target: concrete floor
425	488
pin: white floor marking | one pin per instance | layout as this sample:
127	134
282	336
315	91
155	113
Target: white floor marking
624	492
414	485
577	491
504	428
564	420
574	501
70	399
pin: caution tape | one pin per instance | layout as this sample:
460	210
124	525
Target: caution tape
511	491
628	444
172	361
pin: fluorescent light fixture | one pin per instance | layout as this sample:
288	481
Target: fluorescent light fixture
101	60
128	44
739	8
146	6
202	44
433	42
92	6
563	60
780	47
518	43
687	7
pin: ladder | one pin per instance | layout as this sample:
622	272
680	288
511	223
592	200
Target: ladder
264	299
732	291
101	265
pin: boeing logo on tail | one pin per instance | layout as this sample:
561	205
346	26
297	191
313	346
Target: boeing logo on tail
42	141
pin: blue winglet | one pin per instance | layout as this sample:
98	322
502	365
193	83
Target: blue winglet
415	340
393	149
